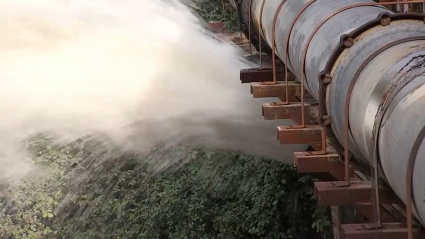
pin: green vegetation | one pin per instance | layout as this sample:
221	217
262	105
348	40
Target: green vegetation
219	11
201	194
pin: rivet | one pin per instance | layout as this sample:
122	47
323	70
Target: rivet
349	42
385	21
327	78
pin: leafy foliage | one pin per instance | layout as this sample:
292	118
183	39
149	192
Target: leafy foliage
217	10
204	194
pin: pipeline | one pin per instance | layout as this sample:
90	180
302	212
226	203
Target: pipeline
360	59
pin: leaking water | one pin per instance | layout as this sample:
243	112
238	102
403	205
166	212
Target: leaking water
138	72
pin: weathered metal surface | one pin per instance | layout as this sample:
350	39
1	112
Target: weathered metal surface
331	194
372	150
325	76
403	122
326	38
307	135
347	66
275	111
388	231
286	59
405	80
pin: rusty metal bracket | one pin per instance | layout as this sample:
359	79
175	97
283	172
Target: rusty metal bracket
257	75
259	90
328	163
291	135
273	111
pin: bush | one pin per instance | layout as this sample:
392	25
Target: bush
217	10
203	194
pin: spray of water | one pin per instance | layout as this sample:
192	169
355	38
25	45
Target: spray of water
139	72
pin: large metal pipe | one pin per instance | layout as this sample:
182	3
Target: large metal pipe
387	63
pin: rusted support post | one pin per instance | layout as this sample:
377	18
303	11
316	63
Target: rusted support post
336	222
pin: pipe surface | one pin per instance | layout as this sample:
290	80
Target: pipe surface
387	103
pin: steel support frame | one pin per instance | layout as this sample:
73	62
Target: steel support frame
354	192
329	162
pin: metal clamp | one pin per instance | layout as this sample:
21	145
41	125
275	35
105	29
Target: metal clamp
288	36
260	33
249	26
273	40
409	181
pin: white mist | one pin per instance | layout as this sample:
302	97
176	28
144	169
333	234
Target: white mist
138	71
